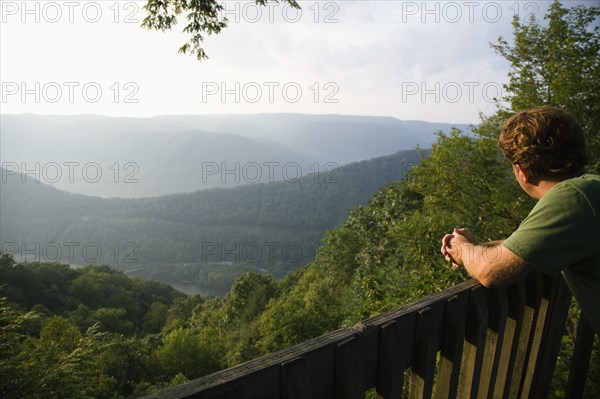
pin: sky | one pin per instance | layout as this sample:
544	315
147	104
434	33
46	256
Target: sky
412	60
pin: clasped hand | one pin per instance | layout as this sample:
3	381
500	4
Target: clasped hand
452	245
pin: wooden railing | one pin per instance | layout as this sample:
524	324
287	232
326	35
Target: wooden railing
466	341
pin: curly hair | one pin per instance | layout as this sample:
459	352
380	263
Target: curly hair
547	141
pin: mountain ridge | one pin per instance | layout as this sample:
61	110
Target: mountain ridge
174	154
202	229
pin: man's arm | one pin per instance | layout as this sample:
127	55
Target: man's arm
491	263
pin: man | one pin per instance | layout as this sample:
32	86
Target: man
562	232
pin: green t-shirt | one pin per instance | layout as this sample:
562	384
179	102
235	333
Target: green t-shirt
562	234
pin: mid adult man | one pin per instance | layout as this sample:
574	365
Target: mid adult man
562	232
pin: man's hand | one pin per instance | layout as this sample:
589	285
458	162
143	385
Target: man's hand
491	263
454	244
445	245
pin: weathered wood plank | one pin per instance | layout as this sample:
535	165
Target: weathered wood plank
320	364
369	347
356	362
426	345
453	336
395	355
474	343
516	302
498	312
536	300
521	347
349	372
295	380
580	363
231	392
441	296
553	331
266	370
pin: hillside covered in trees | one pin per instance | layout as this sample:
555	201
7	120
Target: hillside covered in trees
384	254
200	241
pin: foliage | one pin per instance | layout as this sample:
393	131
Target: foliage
60	363
204	18
90	295
558	64
201	241
186	352
465	182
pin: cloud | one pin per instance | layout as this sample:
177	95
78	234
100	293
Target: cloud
370	51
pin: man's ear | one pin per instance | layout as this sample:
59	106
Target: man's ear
522	173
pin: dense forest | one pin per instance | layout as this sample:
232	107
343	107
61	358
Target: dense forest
200	241
68	338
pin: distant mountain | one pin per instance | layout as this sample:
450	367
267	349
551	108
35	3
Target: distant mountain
324	138
106	157
202	240
147	157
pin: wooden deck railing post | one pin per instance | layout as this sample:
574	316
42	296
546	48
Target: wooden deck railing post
535	300
453	336
580	362
474	344
349	372
295	380
554	328
494	340
516	300
427	342
395	355
522	344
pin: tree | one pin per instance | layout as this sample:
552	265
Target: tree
61	363
204	18
248	297
16	380
155	318
558	65
188	352
113	319
7	261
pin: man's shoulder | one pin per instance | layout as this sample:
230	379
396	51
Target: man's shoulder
587	184
587	178
586	187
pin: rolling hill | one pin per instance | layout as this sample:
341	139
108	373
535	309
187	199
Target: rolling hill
196	241
148	157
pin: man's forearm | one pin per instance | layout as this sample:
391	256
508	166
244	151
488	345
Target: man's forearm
491	263
491	243
475	260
